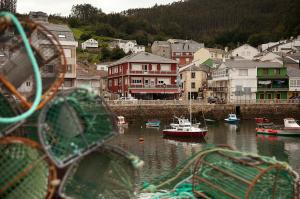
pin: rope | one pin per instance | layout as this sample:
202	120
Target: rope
37	76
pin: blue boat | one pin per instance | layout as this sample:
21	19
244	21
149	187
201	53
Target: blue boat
232	118
153	123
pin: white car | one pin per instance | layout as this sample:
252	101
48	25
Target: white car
127	99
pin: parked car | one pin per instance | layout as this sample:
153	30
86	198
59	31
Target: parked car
127	99
212	100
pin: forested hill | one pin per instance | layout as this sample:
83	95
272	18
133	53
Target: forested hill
214	22
225	21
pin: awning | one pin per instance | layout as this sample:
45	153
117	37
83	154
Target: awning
149	91
265	82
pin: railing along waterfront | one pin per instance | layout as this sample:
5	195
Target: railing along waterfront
195	102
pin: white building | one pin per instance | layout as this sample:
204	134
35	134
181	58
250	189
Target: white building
268	56
246	51
127	45
284	46
294	81
90	43
235	80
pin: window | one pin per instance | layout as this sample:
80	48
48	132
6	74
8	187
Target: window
193	75
165	67
193	85
265	71
162	81
154	67
136	67
69	68
187	60
28	84
136	81
49	68
243	72
61	36
110	83
116	82
68	52
68	83
181	76
277	71
145	67
126	80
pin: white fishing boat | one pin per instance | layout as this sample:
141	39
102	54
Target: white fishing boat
291	128
121	121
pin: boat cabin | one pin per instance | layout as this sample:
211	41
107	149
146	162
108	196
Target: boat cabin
290	123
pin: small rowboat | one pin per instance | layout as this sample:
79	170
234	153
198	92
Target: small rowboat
153	123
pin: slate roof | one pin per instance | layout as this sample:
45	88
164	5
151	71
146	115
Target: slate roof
293	72
58	29
143	57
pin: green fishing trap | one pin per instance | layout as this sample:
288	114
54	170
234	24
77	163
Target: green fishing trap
73	124
227	174
8	108
107	173
25	171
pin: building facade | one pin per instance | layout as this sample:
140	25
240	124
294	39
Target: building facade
272	81
245	51
294	82
90	43
127	46
144	76
161	48
234	81
193	81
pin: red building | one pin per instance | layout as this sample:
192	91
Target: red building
144	76
183	50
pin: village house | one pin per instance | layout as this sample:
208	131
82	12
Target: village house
235	80
161	48
272	81
66	38
183	50
193	80
127	46
245	51
144	76
284	46
89	44
294	82
204	54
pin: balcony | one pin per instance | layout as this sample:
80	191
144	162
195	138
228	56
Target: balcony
218	89
173	72
268	76
153	86
272	89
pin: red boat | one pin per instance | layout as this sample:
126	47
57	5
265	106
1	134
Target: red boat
262	121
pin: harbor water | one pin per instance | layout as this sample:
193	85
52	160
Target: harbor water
163	154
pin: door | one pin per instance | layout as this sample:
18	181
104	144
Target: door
146	82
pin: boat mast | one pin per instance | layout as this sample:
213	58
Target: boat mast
190	95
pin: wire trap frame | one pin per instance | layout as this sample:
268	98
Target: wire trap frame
25	171
109	172
73	124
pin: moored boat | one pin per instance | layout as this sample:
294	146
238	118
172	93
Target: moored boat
153	123
262	121
232	118
184	128
291	128
122	122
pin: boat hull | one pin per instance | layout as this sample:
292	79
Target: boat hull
184	133
279	132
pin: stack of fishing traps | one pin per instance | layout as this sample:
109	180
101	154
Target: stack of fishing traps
60	150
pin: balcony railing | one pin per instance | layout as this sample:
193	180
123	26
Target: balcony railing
154	86
267	76
273	89
173	72
218	89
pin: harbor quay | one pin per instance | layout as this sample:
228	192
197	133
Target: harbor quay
166	109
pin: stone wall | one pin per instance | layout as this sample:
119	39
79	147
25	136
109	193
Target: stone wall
213	111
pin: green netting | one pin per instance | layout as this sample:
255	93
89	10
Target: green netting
6	110
230	174
108	173
24	172
73	124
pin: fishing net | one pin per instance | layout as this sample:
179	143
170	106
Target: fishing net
228	174
73	124
24	170
16	67
108	173
8	108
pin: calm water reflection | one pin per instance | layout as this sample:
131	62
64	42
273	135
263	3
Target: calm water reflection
161	155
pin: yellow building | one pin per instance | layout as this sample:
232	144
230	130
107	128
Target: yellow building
208	53
193	80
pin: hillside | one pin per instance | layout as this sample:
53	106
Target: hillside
215	22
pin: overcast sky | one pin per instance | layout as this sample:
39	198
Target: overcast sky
63	7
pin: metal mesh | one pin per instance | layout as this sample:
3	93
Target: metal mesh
16	67
73	124
108	173
231	174
24	171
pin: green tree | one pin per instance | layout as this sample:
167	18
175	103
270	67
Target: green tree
105	54
117	53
